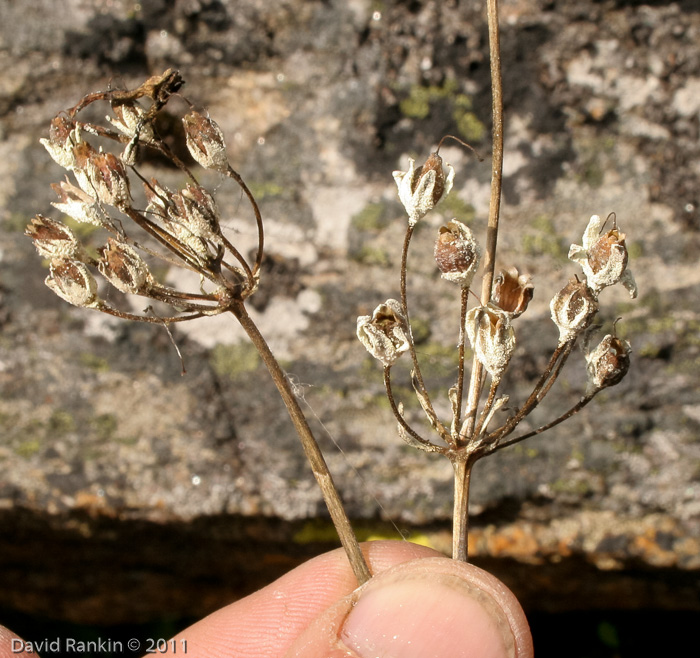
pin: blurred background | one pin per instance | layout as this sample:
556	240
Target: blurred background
135	500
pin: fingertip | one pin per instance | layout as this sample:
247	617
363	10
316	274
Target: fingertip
428	607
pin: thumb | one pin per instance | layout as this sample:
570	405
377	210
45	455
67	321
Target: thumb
427	608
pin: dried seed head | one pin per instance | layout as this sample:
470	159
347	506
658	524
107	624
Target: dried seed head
122	266
609	362
457	253
603	258
433	163
512	292
384	333
71	280
53	239
110	180
608	249
76	204
492	337
63	135
131	119
573	308
205	141
102	175
421	189
196	209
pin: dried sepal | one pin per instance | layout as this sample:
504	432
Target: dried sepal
603	258
205	141
492	337
122	266
110	180
131	120
75	203
196	209
72	281
457	253
63	135
421	189
198	246
573	309
102	175
512	291
53	239
159	198
384	334
609	362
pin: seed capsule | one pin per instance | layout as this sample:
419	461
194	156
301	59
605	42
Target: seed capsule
205	141
573	308
421	189
122	266
603	258
384	333
53	239
62	137
492	337
457	253
609	362
512	292
196	209
76	204
71	280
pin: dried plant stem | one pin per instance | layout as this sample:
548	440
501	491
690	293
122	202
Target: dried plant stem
550	374
497	158
232	173
464	299
427	445
476	382
488	405
311	448
460	515
417	376
567	414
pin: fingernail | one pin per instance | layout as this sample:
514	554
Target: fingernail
426	615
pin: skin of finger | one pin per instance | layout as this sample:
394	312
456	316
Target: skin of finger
266	623
6	637
325	637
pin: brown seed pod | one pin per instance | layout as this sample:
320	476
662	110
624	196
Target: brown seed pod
457	253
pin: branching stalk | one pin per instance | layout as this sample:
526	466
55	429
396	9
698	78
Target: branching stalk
575	409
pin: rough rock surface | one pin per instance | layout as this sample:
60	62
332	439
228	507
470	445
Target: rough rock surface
130	492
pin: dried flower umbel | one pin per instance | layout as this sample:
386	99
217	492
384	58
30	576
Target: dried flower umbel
147	223
488	329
